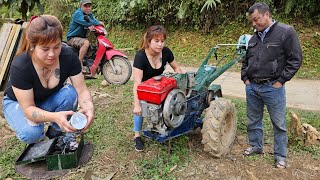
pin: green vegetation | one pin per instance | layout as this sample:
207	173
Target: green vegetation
21	6
194	14
201	15
198	30
112	136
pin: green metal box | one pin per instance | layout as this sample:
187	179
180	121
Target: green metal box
65	161
44	151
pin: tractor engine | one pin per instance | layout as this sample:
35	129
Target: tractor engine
163	100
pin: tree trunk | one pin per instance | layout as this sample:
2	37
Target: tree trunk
24	10
209	17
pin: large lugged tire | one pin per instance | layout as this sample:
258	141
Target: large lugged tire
123	70
219	127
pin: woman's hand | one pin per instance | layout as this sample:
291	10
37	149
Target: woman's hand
84	98
176	68
137	74
137	110
90	117
62	121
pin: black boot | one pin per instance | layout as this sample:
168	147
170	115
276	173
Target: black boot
53	132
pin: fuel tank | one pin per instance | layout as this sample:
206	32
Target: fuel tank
156	89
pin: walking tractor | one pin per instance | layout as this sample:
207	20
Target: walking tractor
173	104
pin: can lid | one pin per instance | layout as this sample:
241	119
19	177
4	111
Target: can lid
78	120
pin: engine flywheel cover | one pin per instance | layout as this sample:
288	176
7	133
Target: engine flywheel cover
174	108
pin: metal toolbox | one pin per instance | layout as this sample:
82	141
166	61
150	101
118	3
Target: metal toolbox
45	151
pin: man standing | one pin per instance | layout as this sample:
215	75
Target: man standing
76	35
273	57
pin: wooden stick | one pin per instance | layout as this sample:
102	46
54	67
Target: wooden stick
4	35
16	30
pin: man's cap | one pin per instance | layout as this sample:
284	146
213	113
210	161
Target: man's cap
85	2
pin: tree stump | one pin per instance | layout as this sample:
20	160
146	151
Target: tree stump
295	127
305	131
311	135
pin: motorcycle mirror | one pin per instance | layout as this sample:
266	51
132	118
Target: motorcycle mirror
86	17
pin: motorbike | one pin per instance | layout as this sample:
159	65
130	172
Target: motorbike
103	58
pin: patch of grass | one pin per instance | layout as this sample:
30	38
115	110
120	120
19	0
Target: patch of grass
9	152
268	157
166	159
253	158
310	117
297	146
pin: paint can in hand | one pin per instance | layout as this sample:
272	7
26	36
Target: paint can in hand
78	120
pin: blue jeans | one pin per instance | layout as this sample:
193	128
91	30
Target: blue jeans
137	123
259	95
29	132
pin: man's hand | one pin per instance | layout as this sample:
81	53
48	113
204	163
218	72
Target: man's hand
101	23
91	28
277	84
247	82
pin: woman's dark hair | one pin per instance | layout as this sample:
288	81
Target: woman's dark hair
152	31
41	30
261	7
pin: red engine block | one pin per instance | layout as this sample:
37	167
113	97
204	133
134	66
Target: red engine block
156	89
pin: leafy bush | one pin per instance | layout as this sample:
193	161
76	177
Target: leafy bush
190	14
62	9
22	6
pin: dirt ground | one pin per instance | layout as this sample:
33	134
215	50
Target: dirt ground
237	166
234	166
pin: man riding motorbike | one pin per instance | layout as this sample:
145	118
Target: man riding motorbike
76	35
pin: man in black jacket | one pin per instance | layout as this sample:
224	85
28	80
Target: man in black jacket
273	57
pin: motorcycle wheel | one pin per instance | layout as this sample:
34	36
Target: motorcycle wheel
122	73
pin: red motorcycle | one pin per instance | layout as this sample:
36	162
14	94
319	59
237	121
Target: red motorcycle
103	58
